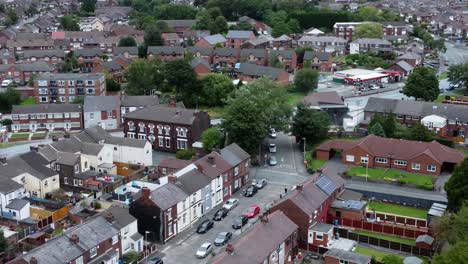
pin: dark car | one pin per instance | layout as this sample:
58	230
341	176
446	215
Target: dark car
222	238
154	260
250	191
205	226
239	221
220	214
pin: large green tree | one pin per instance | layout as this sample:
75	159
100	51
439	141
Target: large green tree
281	23
389	125
180	75
3	242
12	17
88	6
215	88
310	124
458	74
457	186
69	23
252	110
9	98
127	41
153	36
377	130
419	132
368	30
306	80
211	20
174	11
144	76
211	138
422	84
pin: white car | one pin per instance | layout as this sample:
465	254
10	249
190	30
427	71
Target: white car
230	204
204	250
272	148
272	133
6	83
374	87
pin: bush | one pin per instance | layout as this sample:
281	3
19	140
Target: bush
6	122
185	154
428	186
310	170
131	257
446	142
97	205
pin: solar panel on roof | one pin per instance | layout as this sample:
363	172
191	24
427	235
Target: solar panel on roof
353	204
326	185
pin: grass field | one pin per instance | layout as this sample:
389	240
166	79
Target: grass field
371	252
20	135
28	101
398	209
294	98
215	112
423	181
402	240
11	144
39	134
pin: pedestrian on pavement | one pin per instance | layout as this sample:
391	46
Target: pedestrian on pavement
285	190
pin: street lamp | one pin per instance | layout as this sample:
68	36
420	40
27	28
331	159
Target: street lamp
304	140
146	235
367	166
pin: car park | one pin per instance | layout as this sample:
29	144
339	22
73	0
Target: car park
220	214
222	238
205	226
272	148
253	211
250	191
231	203
272	161
204	250
239	221
259	183
272	133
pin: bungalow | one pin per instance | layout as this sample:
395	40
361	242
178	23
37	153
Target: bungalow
250	72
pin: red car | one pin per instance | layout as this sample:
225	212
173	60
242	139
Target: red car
252	211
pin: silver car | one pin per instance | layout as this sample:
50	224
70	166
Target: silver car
272	161
204	250
272	148
260	183
231	203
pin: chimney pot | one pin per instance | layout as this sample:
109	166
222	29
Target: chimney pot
299	187
211	160
110	217
3	159
75	239
173	101
145	191
33	260
230	248
171	179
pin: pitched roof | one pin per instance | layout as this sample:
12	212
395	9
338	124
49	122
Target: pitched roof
100	103
409	56
46	108
164	114
166	50
260	53
214	39
173	163
167	196
122	50
260	240
17	204
240	34
180	23
226	52
39	66
112	65
66	158
197	60
324	98
348	256
260	71
375	41
322	56
121	216
310	198
325	39
192	181
202	50
213	165
43	53
139	100
287	54
405	66
234	154
96	134
425	238
88	52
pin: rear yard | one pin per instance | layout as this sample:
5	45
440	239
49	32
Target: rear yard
397	209
402	240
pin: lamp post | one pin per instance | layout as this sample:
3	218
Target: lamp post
304	140
367	166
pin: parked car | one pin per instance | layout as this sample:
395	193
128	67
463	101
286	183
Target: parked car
272	133
239	221
253	211
272	161
205	226
231	203
222	238
6	83
374	87
272	148
250	191
154	260
259	183
220	214
204	250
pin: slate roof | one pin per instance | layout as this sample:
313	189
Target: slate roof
202	50
287	54
92	149
88	52
44	53
324	98
348	256
218	167
405	66
101	103
260	240
39	66
409	56
66	158
234	154
139	101
122	217
166	50
122	50
323	39
322	56
309	199
239	34
167	196
112	65
180	23
122	141
259	71
173	163
374	41
259	53
226	52
192	181
197	60
17	204
214	39
163	114
425	239
70	76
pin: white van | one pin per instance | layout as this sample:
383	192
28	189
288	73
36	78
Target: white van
6	83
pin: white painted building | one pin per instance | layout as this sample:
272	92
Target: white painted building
131	240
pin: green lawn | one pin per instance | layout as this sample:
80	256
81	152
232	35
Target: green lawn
423	181
371	252
314	163
443	75
11	144
20	135
28	101
402	240
39	134
215	112
294	98
398	209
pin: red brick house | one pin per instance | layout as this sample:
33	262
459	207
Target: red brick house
212	41
286	57
283	42
411	58
201	52
200	66
240	161
7	57
88	58
235	38
250	72
321	61
308	204
339	256
346	29
254	56
348	205
20	73
52	56
171	165
376	152
171	39
167	128
226	57
166	53
273	239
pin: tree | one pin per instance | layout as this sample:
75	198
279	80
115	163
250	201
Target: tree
310	124
127	42
211	139
419	132
112	85
422	84
376	118
9	98
88	6
369	13
281	24
12	17
389	125
377	130
144	76
180	75
31	11
3	242
185	154
174	11
153	36
392	259
453	254
458	74
457	186
221	25
369	30
215	88
252	110
69	23
306	80
131	257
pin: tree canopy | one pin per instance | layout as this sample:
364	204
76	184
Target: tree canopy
422	84
306	80
180	75
127	41
3	242
458	74
377	130
144	76
368	30
211	138
88	6
174	11
310	124
418	132
69	23
252	110
215	88
457	186
9	98
153	36
281	23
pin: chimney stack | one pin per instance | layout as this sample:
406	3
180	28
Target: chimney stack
171	179
110	217
145	191
299	187
230	249
199	168
34	148
75	239
211	160
33	260
264	218
173	101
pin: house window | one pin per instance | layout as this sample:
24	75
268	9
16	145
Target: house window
115	239
65	180
400	162
184	218
319	236
431	168
168	130
160	130
236	171
75	182
350	158
416	166
364	160
400	116
80	182
77	168
169	214
381	160
194	196
142	127
225	177
168	142
91	116
181	144
46	183
57	167
126	230
92	252
164	171
161	141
